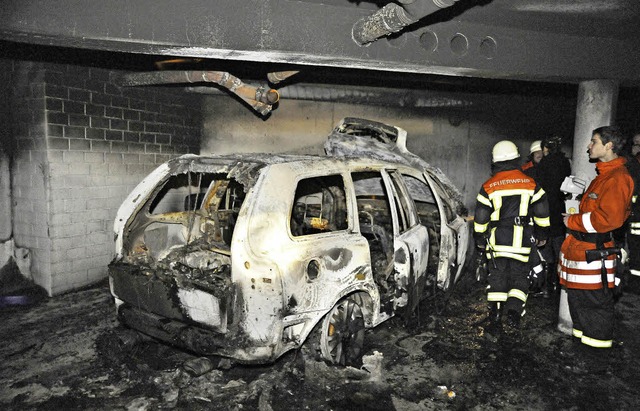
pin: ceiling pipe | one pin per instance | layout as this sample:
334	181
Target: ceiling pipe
260	98
276	77
387	97
392	18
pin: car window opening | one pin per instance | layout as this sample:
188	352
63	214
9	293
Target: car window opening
429	216
404	205
376	225
319	206
189	208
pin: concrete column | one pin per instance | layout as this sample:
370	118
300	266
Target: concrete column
597	101
5	197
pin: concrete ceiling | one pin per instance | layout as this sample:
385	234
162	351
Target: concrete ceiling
556	41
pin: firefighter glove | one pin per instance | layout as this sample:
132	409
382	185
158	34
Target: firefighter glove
536	277
617	287
624	255
481	266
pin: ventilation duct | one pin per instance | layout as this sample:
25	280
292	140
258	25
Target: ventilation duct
364	95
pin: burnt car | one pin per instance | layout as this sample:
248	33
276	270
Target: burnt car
249	256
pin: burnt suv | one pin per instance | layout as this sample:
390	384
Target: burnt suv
248	256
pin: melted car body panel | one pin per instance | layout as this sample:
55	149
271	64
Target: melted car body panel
241	256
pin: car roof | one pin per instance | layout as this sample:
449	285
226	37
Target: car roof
257	161
245	168
353	142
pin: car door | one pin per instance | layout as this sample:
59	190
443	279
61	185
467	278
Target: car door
322	257
455	236
411	246
448	231
398	244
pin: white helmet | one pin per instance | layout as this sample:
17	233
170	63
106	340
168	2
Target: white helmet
504	150
535	146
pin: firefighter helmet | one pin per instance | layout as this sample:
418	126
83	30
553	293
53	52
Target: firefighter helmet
504	150
535	146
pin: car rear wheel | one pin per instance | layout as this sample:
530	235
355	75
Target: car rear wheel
342	332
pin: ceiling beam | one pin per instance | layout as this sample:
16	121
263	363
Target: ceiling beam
315	34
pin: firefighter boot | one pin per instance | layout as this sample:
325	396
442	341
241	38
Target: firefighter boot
495	317
513	319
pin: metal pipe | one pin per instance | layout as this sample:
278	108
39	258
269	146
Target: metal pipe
389	97
260	98
279	76
392	18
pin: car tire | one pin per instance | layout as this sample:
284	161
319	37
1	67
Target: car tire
342	332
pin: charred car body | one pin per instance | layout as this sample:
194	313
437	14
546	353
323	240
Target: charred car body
249	256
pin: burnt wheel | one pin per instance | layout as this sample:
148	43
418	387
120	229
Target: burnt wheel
342	332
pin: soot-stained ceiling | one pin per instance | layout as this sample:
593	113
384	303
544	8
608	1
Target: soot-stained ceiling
498	47
548	40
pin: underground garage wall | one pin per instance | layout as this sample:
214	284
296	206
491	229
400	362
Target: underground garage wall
458	140
79	145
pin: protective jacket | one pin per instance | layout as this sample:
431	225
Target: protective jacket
604	207
530	169
633	228
551	171
511	209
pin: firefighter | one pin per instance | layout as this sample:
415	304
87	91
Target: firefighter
604	207
632	228
511	219
535	155
552	170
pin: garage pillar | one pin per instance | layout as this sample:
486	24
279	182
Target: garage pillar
597	101
5	197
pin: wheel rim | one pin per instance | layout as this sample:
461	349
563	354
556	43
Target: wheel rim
343	333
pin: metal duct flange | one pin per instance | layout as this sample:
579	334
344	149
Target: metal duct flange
392	18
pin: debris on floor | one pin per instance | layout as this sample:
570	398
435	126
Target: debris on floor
69	352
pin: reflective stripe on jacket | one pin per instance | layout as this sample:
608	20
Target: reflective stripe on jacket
506	198
634	218
604	207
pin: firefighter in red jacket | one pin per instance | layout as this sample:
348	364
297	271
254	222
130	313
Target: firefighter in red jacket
604	207
511	219
535	155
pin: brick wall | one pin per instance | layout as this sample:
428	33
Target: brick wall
29	169
92	143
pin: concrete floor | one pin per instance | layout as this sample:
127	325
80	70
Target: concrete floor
66	353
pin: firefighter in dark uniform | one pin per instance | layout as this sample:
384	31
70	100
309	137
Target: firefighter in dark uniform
511	219
633	228
552	170
604	207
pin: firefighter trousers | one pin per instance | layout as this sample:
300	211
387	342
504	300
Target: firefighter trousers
633	241
508	284
592	312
